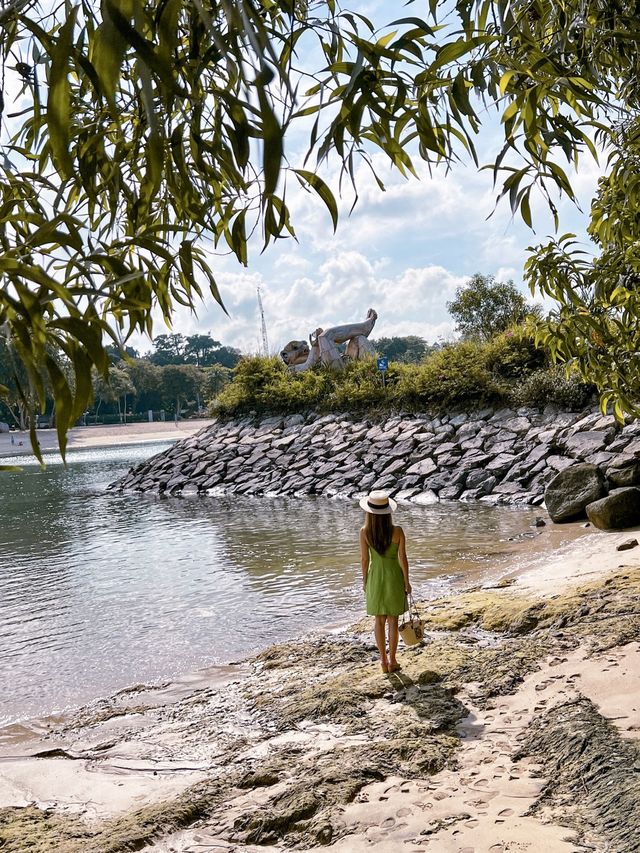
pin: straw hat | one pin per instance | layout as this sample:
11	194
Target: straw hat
378	503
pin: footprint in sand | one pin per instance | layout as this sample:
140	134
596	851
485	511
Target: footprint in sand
403	812
505	813
440	795
471	823
496	848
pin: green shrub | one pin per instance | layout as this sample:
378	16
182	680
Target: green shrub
553	386
506	370
513	354
453	377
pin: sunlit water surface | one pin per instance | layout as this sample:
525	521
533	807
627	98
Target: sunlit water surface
99	591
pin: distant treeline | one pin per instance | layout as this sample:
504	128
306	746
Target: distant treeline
178	377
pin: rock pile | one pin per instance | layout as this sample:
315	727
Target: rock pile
494	456
608	498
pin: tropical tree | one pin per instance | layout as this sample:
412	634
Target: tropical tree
114	389
147	379
169	349
409	349
484	307
181	384
148	126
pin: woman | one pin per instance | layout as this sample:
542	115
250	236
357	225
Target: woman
385	572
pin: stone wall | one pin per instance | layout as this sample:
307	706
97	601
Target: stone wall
494	456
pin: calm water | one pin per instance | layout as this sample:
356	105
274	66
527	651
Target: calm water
100	591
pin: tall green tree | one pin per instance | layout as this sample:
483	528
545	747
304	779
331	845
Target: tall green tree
151	126
484	307
181	385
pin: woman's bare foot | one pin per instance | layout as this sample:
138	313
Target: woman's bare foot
394	666
384	666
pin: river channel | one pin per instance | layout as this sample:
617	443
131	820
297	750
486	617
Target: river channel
99	591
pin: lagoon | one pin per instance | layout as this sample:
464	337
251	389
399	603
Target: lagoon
99	591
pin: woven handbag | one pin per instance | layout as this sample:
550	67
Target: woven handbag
411	628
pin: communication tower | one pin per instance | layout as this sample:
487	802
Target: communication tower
265	340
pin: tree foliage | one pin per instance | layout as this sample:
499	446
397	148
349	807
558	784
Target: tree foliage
148	128
409	349
484	307
597	326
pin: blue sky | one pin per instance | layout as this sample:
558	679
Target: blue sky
402	252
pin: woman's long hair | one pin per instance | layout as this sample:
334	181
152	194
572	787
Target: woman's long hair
378	530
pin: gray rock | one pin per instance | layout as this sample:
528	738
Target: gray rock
475	443
471	495
518	425
445	447
624	471
585	443
559	463
425	498
444	479
450	493
501	415
423	468
568	494
458	420
497	447
627	545
508	489
479	478
601	459
506	435
468	429
404	495
294	420
620	509
402	448
501	464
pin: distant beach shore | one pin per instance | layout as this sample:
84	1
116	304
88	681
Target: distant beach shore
83	437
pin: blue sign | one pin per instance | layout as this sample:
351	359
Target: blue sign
383	364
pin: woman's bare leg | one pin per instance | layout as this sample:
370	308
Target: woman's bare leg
393	640
379	631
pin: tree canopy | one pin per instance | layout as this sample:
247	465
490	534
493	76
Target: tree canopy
484	307
149	129
408	349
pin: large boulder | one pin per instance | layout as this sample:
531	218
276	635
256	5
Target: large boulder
624	471
620	509
568	494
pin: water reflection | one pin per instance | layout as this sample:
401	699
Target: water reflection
98	591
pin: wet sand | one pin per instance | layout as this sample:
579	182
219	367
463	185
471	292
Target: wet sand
515	727
114	435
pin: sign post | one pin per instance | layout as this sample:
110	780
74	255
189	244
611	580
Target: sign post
383	366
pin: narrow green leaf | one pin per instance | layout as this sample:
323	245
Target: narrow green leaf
323	191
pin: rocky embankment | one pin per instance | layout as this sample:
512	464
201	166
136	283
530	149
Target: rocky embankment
494	456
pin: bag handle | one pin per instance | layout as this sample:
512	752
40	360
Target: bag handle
410	605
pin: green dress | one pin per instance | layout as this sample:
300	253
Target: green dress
385	583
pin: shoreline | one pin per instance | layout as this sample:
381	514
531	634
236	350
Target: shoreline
96	436
308	743
516	557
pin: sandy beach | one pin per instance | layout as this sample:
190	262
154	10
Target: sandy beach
515	727
81	438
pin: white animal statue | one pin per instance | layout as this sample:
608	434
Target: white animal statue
324	346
